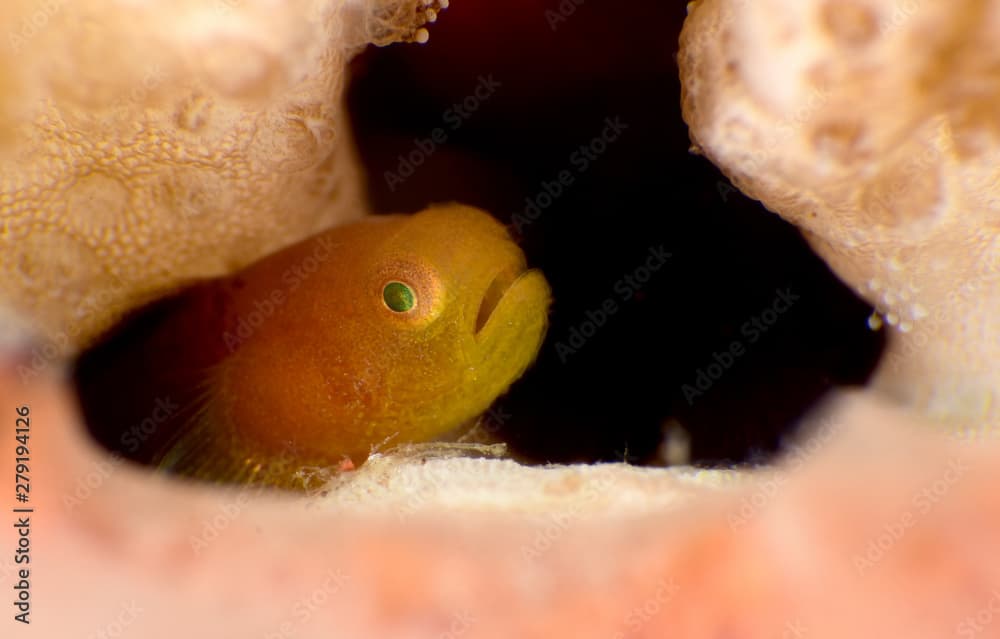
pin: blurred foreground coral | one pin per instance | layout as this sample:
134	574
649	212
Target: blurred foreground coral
871	528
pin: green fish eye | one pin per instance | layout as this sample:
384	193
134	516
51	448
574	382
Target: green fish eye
399	297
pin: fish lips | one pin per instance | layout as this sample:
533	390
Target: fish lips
515	296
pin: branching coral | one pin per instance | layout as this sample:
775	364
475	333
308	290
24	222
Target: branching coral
873	126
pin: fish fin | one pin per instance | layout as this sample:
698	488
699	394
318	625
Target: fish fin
219	456
208	449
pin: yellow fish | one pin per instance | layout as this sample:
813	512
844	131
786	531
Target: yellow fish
388	330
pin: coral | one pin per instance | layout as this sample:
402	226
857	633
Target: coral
147	144
901	545
872	125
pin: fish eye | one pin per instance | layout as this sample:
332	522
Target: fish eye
399	297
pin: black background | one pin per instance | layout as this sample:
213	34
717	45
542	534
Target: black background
557	88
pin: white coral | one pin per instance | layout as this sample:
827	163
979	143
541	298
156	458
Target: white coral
874	126
144	144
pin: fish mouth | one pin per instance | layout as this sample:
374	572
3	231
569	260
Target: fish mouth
501	283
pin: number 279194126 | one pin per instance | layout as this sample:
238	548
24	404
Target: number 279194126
22	430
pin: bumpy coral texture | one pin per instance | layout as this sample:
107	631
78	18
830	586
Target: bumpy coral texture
146	144
874	126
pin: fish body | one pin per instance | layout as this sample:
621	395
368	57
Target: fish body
392	329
